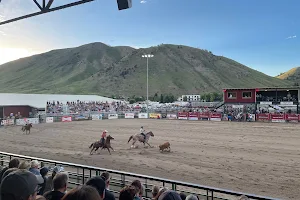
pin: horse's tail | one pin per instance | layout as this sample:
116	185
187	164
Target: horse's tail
130	138
91	145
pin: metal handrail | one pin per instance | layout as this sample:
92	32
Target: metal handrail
152	178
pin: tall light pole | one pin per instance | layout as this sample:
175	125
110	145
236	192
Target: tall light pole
147	56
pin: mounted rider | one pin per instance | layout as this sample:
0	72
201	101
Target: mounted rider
103	137
142	131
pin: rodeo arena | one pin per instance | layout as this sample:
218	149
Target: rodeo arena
245	147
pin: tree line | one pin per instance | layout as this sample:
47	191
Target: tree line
170	98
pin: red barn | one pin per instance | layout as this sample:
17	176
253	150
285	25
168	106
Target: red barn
237	96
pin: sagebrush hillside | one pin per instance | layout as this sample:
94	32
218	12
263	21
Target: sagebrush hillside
100	69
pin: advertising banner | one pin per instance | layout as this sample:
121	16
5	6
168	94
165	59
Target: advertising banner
183	115
112	116
155	116
129	115
215	116
193	116
49	119
143	116
96	117
66	119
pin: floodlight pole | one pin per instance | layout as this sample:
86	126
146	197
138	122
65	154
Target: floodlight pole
147	57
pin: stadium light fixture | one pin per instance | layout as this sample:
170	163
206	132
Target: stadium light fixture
147	56
46	7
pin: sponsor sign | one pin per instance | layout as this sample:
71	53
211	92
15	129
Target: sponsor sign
129	115
155	116
292	117
263	117
81	117
143	116
277	118
112	116
215	116
204	115
183	115
8	122
66	119
22	122
286	103
193	116
49	119
96	117
171	116
238	106
265	103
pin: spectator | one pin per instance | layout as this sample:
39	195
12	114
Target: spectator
155	191
169	195
182	196
34	168
14	163
60	183
243	197
137	184
8	171
24	165
191	197
108	195
43	172
128	193
161	190
19	185
99	184
49	183
82	193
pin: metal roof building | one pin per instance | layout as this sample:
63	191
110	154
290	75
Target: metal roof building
40	100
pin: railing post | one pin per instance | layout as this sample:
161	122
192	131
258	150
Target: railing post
83	177
146	186
174	186
123	180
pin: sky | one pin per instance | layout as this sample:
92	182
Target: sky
261	34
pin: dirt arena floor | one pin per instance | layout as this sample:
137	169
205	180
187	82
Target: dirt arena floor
258	158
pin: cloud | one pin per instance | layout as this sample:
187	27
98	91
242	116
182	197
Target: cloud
291	37
2	33
143	1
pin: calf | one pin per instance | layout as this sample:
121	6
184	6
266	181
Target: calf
164	146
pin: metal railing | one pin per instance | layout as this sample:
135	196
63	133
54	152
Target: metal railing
78	174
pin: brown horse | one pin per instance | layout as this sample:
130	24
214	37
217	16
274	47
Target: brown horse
139	137
98	144
26	128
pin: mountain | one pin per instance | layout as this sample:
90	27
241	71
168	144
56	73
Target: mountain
104	70
291	75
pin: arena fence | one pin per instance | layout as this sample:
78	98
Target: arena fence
78	175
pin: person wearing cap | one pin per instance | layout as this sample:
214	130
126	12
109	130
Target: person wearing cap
44	172
103	137
60	183
98	183
49	182
14	163
19	185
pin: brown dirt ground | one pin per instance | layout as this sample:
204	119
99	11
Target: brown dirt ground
258	158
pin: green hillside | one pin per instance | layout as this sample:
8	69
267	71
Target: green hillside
100	69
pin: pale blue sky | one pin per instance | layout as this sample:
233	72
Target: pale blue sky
254	33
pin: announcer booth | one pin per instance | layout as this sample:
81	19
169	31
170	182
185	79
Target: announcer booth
239	103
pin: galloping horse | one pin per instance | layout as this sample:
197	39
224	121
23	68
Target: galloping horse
98	144
139	137
26	128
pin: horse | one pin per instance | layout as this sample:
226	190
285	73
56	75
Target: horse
98	144
26	128
139	137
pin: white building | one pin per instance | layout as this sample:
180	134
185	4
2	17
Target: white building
193	97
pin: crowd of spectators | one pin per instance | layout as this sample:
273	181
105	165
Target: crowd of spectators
26	181
79	107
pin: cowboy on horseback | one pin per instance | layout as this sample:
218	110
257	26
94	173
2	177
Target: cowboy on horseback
142	131
103	137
